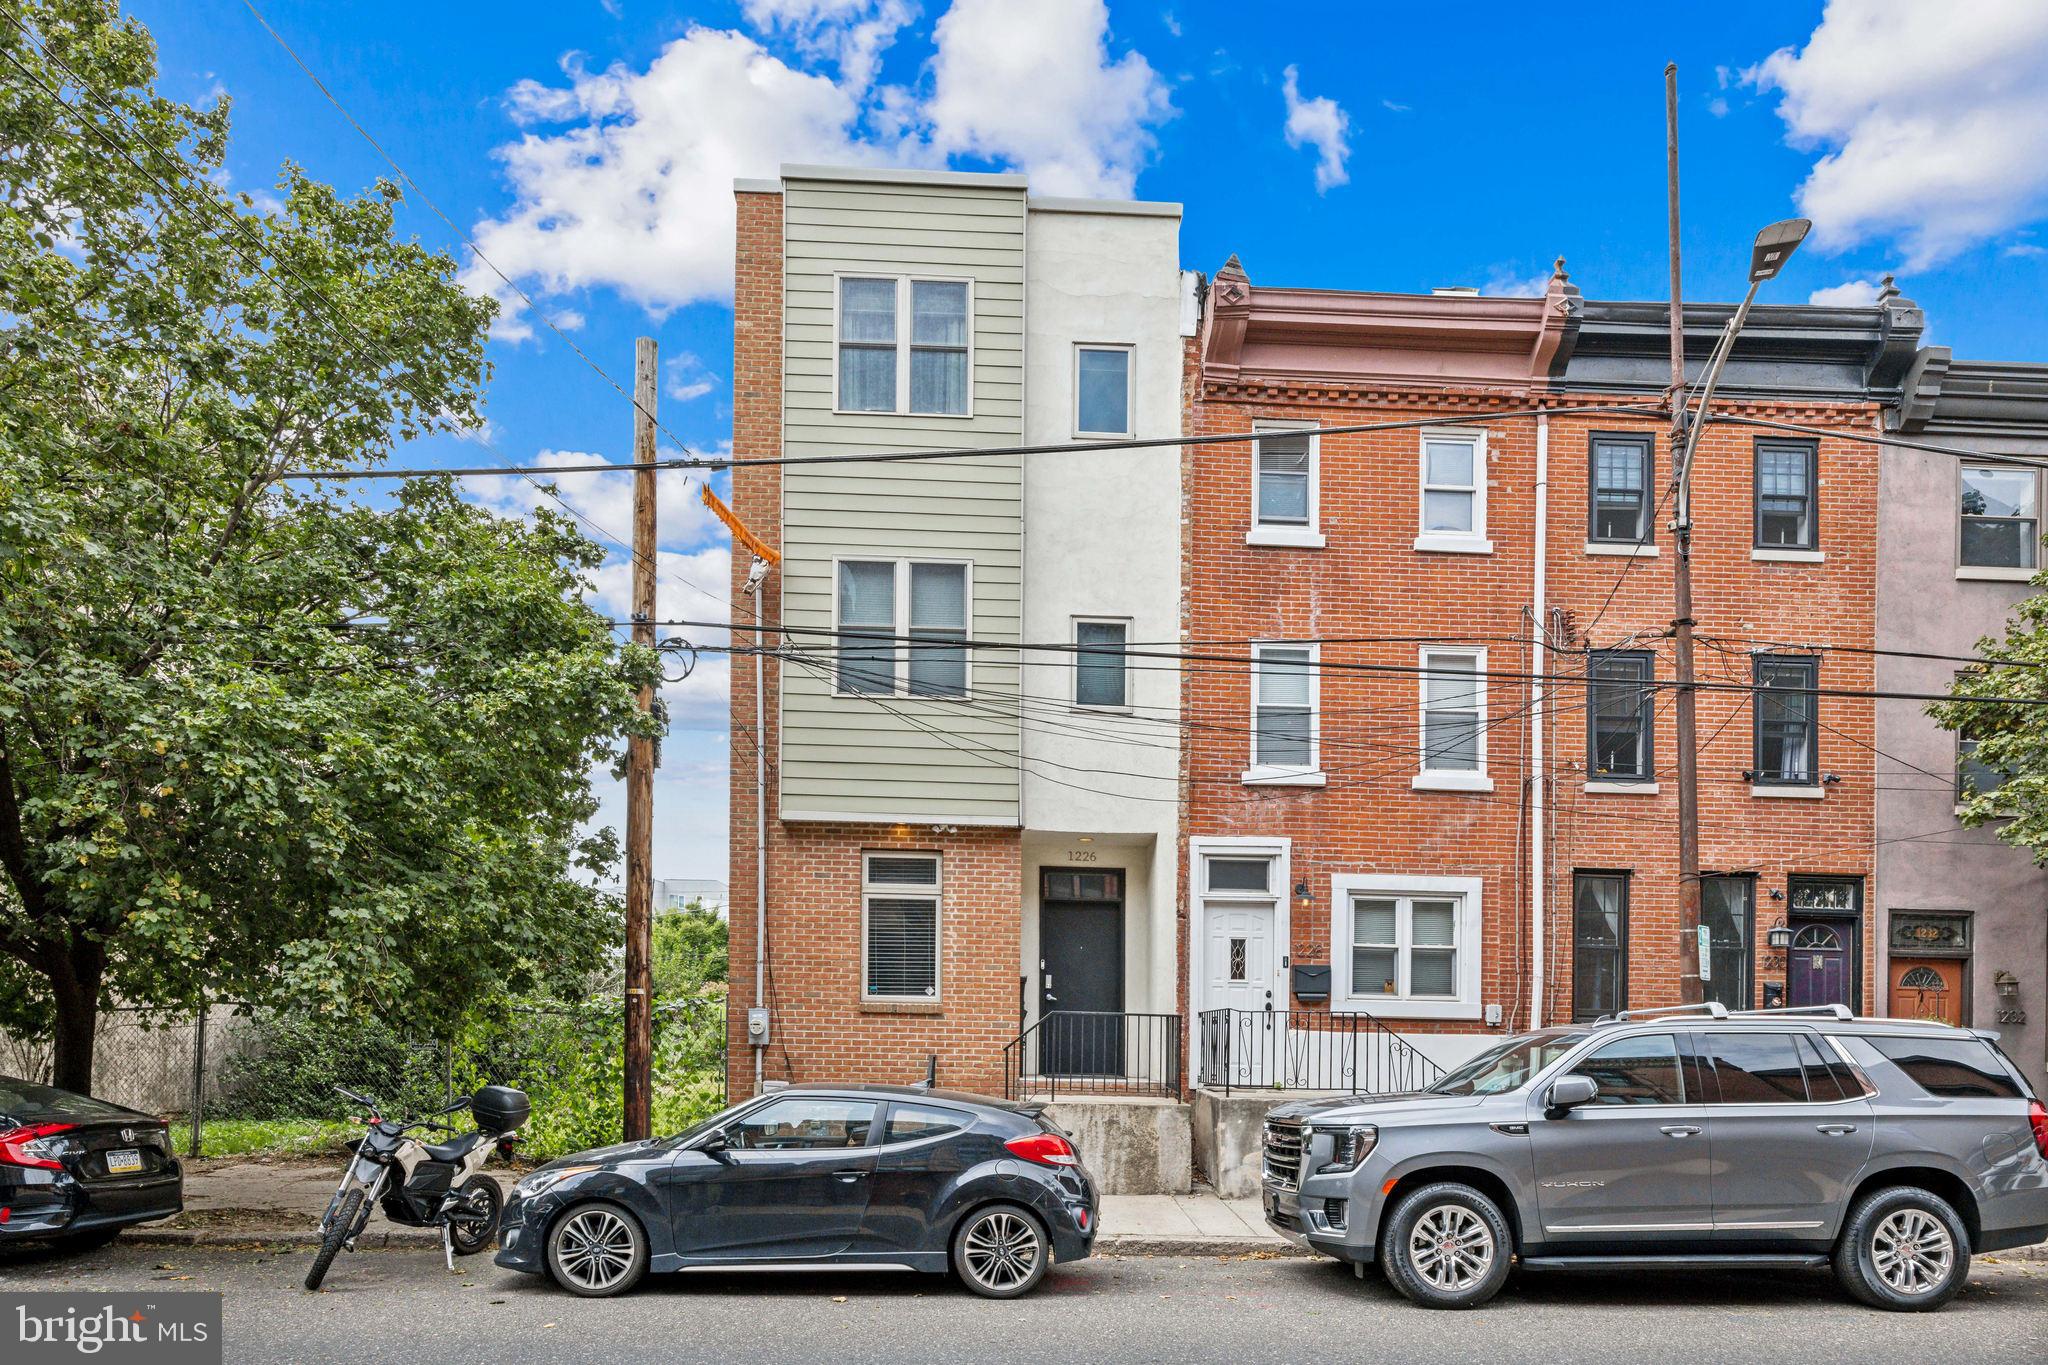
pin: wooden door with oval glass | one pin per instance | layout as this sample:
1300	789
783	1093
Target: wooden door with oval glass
1928	988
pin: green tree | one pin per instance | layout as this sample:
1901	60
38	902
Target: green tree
689	950
2008	740
256	739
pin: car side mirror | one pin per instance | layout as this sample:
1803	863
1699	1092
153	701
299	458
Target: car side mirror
1569	1092
716	1144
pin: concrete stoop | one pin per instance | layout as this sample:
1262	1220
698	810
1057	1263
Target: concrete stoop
1229	1136
1132	1145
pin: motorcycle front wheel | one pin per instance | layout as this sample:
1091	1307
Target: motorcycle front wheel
331	1240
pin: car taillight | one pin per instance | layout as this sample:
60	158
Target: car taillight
32	1146
2037	1115
1047	1149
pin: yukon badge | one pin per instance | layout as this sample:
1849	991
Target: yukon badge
1574	1184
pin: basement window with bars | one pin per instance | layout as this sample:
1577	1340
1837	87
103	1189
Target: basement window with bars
900	926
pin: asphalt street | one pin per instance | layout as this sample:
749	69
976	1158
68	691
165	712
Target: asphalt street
404	1306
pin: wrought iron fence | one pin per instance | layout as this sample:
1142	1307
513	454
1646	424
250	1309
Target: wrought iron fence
1307	1050
1095	1052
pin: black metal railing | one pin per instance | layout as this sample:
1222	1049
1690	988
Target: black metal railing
1094	1052
1307	1050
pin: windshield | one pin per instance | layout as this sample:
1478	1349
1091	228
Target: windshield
1507	1065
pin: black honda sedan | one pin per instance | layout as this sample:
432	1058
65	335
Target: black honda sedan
77	1170
831	1177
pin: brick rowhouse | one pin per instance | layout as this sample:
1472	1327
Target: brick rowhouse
1378	593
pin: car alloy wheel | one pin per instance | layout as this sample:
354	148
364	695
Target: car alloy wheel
1001	1252
1912	1252
1451	1248
596	1249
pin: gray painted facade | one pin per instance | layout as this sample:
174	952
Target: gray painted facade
1929	601
907	758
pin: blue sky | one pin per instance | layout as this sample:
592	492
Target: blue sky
589	146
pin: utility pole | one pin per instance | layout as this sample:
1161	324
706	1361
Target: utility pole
640	768
1691	990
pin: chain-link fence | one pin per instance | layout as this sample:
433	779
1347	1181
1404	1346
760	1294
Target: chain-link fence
232	1062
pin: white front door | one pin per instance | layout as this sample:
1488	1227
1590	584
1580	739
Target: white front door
1240	972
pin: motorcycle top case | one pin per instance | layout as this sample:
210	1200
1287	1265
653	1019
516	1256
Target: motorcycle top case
499	1108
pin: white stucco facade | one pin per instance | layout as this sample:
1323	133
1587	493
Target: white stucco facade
1102	544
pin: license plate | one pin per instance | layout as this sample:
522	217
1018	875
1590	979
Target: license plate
124	1161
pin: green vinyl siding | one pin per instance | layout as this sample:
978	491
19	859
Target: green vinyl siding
900	756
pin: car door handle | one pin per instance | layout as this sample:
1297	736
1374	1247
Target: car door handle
848	1177
1835	1129
1680	1130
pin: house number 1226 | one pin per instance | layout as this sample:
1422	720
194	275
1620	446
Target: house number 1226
1080	855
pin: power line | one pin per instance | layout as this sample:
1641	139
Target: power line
1857	434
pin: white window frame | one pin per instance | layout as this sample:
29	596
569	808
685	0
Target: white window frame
901	628
1996	572
1281	896
1130	351
1449	779
1467	940
900	891
1309	774
903	326
1287	535
1473	542
1075	691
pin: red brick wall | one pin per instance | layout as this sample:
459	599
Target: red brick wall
820	1030
1734	598
1368	582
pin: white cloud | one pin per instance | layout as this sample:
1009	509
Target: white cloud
1320	123
1847	294
635	193
850	33
1171	24
687	378
1934	119
1033	86
1504	283
1393	108
605	500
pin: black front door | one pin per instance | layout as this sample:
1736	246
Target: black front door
1081	973
1823	965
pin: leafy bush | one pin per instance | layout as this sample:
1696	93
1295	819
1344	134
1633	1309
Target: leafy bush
291	1064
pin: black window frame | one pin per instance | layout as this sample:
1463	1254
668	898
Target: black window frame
1747	947
1646	714
1648	445
1811	450
1810	663
1619	951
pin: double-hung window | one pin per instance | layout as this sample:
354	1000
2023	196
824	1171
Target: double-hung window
1283	712
1102	391
899	926
1786	475
881	369
1407	946
1728	913
1453	493
2001	519
929	657
1973	776
1621	505
1100	676
1453	733
1599	944
1285	471
1618	720
1787	716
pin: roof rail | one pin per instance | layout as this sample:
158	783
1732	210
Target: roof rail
1836	1011
1713	1009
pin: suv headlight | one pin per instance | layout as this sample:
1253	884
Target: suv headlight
1350	1145
540	1182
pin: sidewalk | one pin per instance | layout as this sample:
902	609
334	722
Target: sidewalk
239	1201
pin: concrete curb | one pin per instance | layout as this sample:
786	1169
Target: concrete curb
378	1239
1146	1244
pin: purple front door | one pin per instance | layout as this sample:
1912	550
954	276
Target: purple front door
1819	967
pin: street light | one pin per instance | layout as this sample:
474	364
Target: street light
1773	247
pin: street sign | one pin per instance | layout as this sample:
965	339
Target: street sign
1706	956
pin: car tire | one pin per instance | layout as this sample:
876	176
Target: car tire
1446	1246
596	1250
1001	1252
87	1241
1903	1249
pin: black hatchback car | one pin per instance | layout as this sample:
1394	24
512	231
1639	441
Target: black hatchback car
836	1177
77	1170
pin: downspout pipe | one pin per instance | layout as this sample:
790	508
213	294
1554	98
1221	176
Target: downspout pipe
760	825
1539	859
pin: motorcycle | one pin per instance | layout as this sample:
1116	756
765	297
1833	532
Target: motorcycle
421	1185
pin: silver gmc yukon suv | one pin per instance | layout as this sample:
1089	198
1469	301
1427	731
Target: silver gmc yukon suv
1689	1138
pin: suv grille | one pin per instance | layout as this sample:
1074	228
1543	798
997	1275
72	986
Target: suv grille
1283	1152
